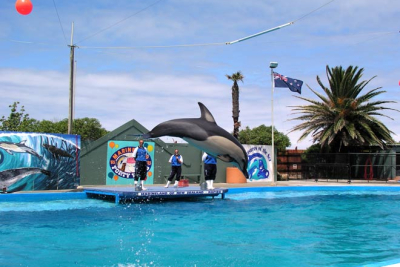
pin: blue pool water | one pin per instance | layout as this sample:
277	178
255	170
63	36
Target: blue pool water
259	228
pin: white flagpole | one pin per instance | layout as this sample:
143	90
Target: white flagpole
272	66
272	121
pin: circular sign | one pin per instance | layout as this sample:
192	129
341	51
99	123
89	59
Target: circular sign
123	164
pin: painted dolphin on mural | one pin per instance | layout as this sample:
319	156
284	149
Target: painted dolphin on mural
56	152
206	135
10	177
20	147
258	170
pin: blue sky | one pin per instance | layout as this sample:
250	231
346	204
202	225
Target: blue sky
155	84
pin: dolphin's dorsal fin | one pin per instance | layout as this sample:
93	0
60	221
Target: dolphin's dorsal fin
205	113
22	142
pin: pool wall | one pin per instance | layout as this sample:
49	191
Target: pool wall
82	195
42	196
312	188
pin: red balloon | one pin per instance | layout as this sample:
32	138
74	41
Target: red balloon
24	7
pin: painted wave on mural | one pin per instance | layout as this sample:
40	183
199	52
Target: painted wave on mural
39	161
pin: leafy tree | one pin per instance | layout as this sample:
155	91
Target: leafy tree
46	126
262	135
314	151
235	77
88	128
17	120
344	117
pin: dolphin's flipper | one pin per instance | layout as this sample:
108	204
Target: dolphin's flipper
9	152
225	158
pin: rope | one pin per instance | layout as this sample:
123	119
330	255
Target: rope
206	44
90	36
382	34
59	20
313	11
170	46
28	42
150	46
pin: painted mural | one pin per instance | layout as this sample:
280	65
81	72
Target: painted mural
39	161
121	164
259	166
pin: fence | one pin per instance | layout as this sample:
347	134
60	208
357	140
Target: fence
350	166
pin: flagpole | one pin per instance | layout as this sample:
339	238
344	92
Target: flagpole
273	65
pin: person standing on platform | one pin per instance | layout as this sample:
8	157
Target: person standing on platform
210	169
140	155
176	161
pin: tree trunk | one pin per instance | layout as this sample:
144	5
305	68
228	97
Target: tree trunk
235	109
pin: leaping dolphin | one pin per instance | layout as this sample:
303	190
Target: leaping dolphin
20	147
9	177
206	135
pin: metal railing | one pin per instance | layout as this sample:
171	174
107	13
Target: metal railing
350	166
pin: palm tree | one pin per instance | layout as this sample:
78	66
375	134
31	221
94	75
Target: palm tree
344	117
238	76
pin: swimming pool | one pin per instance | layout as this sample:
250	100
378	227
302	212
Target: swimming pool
302	226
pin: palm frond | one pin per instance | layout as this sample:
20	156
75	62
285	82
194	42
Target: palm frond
343	115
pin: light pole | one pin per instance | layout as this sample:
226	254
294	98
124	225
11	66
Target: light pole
273	65
71	83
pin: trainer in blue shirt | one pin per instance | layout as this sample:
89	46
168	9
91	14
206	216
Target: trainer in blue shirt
176	161
140	154
210	169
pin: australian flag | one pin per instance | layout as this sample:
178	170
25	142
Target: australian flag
283	81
